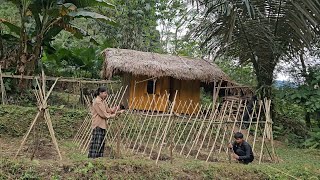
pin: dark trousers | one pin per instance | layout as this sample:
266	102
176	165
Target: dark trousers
240	152
96	147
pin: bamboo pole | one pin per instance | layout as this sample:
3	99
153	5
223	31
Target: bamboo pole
195	142
164	124
218	116
154	122
27	134
218	131
125	117
207	130
190	130
183	107
166	128
225	128
234	124
173	122
81	128
148	124
145	106
186	125
264	132
244	110
256	130
138	103
251	117
158	130
135	143
182	120
197	124
72	80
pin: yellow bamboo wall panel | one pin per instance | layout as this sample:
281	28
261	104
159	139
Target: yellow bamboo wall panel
138	89
188	90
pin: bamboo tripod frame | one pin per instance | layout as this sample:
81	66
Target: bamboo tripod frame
43	111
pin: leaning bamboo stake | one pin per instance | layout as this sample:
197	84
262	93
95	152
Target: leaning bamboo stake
158	130
163	125
182	119
47	115
207	130
85	122
251	117
225	129
256	130
188	121
195	142
244	110
219	115
264	132
143	123
218	131
234	124
129	126
190	130
76	137
84	133
148	124
125	117
197	124
154	123
166	128
170	125
137	123
223	137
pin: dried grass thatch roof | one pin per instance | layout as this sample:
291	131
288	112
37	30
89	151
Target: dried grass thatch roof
159	65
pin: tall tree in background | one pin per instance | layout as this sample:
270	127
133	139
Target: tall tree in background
136	25
41	21
260	32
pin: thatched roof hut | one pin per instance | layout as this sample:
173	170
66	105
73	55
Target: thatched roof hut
155	75
160	65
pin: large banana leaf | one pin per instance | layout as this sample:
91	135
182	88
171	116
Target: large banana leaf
92	15
13	28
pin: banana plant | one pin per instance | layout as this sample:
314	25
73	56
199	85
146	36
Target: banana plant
42	20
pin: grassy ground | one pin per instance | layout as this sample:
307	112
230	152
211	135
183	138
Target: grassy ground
14	120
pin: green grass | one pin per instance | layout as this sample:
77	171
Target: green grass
14	121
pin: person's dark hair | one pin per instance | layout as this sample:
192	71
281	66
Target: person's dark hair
238	135
99	90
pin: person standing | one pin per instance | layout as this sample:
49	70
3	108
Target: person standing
100	114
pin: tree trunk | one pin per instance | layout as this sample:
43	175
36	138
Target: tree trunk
308	120
264	67
318	118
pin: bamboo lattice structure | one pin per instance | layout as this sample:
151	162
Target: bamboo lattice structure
203	134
